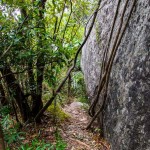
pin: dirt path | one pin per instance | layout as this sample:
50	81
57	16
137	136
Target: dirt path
74	131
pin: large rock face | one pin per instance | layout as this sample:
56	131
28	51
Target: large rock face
127	113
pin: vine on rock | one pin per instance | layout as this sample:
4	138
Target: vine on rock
107	65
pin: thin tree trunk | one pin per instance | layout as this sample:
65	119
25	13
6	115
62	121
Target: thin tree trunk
69	87
40	65
37	102
3	100
32	83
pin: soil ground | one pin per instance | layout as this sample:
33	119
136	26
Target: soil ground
77	137
72	131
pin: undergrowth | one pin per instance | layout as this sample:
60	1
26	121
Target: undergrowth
58	113
78	87
14	137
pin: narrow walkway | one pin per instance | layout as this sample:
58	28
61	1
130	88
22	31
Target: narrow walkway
74	132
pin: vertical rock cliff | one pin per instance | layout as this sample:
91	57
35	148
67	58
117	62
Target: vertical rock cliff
126	117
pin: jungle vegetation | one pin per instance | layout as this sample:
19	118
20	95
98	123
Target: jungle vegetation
38	43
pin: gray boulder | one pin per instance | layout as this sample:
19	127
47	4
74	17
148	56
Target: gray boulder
126	117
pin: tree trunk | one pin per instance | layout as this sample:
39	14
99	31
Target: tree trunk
32	83
37	102
3	100
16	91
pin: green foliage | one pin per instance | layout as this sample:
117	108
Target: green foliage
60	144
58	112
78	86
57	46
5	110
12	135
37	145
10	130
53	33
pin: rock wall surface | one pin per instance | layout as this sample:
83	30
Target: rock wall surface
127	112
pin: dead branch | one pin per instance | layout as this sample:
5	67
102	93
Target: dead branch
81	143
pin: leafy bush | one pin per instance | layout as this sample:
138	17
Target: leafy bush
79	86
5	110
10	130
60	144
37	145
42	145
58	112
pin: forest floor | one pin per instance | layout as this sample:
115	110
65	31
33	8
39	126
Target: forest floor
72	130
77	137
